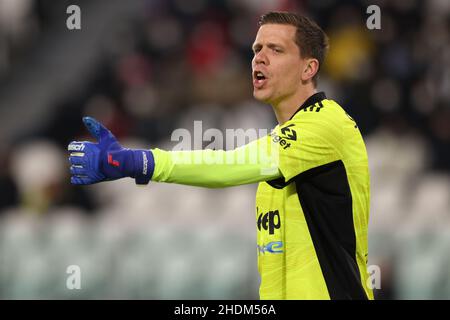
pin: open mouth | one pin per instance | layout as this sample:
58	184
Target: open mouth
259	79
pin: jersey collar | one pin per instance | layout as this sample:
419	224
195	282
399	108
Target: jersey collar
317	97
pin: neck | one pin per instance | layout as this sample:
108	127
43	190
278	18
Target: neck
287	107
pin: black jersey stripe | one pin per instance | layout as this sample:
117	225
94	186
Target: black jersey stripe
325	197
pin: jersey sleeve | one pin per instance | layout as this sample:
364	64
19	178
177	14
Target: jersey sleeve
251	163
309	140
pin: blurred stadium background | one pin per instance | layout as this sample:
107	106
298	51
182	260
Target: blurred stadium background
147	67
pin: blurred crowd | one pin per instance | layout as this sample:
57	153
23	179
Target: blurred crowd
177	61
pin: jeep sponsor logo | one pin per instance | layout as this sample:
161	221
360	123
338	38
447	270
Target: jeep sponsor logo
286	134
269	221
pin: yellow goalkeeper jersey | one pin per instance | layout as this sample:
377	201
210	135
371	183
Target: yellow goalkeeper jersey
312	223
312	206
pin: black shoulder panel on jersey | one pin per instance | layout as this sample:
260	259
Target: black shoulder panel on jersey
315	98
326	200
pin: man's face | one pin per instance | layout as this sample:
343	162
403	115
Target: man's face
277	64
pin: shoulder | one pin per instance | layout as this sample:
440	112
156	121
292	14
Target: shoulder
324	110
323	118
317	127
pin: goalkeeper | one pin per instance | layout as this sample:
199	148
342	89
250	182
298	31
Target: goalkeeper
312	202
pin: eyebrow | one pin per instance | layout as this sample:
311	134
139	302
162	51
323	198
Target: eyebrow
256	45
271	45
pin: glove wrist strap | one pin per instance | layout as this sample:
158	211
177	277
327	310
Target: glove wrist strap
144	165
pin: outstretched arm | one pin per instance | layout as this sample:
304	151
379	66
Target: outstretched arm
107	160
217	168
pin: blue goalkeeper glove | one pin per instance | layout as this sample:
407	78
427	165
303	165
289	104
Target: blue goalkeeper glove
107	160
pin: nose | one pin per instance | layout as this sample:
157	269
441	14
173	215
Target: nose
261	58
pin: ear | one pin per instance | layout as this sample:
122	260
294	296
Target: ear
310	69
